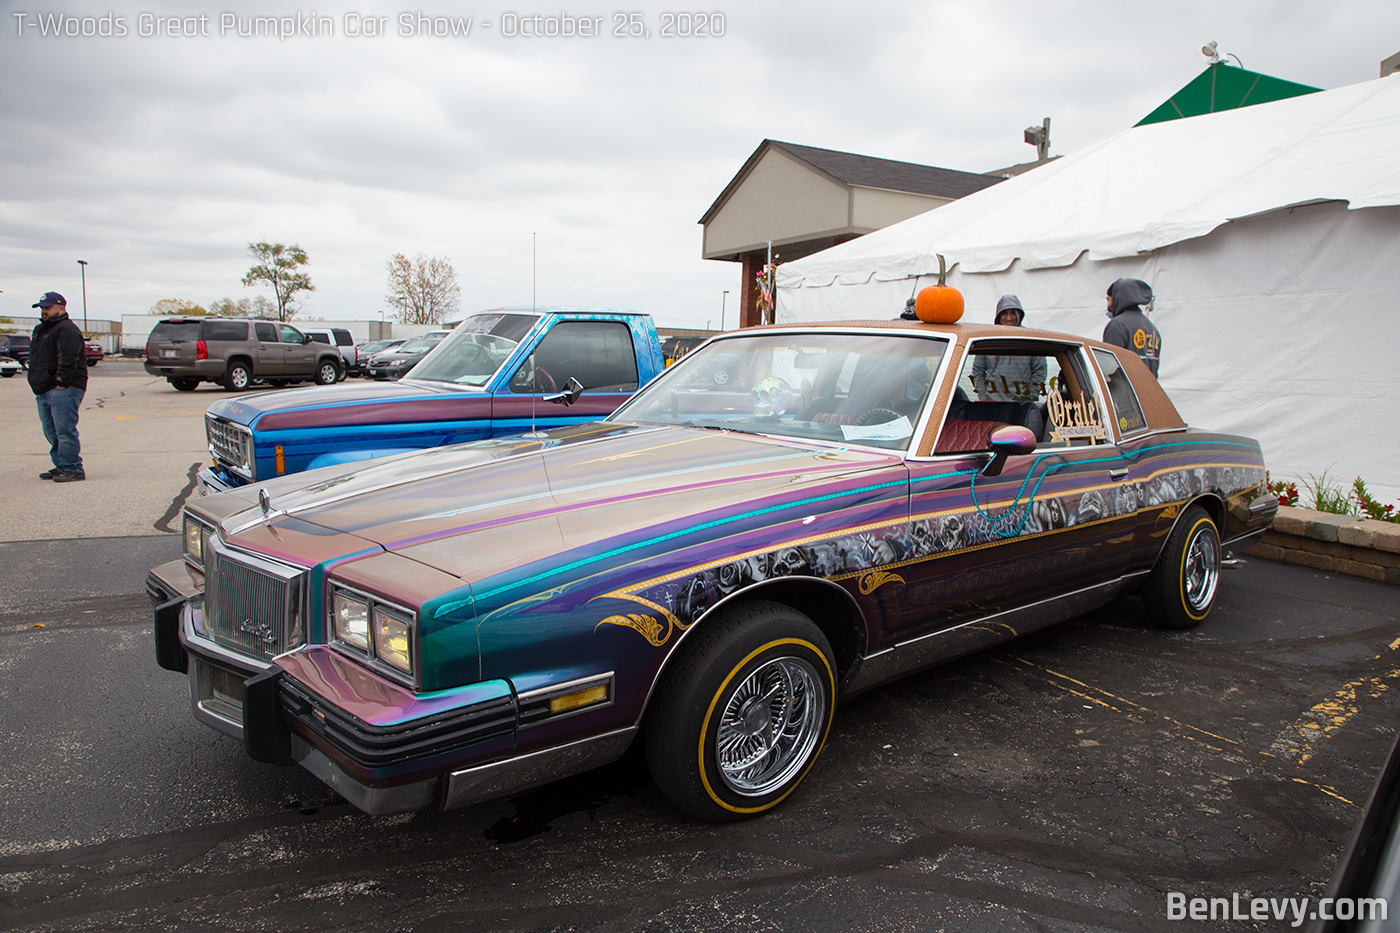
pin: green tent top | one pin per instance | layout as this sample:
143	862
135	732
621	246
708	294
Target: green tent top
1224	87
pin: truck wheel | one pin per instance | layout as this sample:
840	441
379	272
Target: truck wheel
238	376
1180	591
184	383
327	373
741	715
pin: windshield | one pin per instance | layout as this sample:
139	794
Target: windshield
472	353
417	345
847	388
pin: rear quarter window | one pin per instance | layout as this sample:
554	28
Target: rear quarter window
343	338
1127	412
225	330
175	330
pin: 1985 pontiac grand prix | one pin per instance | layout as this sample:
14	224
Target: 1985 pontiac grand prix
708	570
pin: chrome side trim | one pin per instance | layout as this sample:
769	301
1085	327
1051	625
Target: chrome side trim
976	634
514	775
378	801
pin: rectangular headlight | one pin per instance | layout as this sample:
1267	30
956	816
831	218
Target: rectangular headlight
194	534
351	619
393	639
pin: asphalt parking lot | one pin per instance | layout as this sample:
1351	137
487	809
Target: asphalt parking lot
1067	781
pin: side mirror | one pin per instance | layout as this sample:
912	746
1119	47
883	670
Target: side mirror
572	390
1005	441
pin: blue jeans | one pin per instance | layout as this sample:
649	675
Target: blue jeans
58	414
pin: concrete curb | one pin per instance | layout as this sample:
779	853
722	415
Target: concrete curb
1358	547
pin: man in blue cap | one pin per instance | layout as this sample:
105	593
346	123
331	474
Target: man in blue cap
58	375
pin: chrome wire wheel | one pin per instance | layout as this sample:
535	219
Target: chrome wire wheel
1201	569
769	726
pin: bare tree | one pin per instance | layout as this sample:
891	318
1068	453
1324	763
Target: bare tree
277	266
423	290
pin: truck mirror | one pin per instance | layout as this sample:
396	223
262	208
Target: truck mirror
572	390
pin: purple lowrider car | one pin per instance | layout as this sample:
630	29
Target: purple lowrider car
712	567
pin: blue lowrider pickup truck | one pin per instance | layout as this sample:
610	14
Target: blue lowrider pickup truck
499	373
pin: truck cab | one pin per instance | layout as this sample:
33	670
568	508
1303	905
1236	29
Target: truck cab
499	373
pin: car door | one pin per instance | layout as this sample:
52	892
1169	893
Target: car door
599	354
299	353
1049	531
270	356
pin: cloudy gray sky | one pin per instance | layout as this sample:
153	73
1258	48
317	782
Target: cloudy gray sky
157	158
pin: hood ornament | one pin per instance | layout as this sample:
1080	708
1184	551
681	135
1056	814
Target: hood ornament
265	501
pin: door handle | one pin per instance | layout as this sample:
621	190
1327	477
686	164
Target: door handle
1117	474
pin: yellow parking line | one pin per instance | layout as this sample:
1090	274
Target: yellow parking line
1300	740
1125	706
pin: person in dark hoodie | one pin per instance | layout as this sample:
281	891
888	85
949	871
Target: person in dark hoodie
58	375
1128	326
1009	378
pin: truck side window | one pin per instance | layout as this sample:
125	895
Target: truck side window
598	354
267	333
290	334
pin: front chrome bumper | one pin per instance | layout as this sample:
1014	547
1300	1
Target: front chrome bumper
271	730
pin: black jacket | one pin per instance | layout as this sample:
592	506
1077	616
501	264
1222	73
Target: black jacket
57	355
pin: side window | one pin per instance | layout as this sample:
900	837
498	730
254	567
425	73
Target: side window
1043	389
342	338
598	354
319	338
290	334
1126	409
267	333
225	330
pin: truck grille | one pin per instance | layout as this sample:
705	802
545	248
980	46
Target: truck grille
252	605
231	444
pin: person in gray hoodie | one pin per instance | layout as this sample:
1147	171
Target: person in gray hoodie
1009	378
1128	326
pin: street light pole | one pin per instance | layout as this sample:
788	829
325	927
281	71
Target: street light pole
723	299
83	263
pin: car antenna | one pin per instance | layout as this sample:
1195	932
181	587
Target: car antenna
534	366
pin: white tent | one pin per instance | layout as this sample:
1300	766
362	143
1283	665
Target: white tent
1271	238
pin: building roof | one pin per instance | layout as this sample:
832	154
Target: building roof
851	169
1146	188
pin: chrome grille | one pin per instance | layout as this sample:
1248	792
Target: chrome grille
252	605
231	444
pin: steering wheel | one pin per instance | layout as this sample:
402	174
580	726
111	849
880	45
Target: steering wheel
542	377
877	416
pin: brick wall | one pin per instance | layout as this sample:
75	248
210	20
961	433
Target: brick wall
1358	547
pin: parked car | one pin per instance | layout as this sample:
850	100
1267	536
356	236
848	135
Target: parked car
236	351
16	347
368	349
93	351
712	567
341	339
498	373
8	366
393	363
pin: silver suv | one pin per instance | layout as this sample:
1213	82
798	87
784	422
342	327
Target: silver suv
236	351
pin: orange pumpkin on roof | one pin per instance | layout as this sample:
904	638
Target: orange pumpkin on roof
941	303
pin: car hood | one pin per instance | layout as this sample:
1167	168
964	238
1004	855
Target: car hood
480	509
326	406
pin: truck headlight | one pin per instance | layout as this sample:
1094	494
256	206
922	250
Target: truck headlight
393	639
351	617
196	536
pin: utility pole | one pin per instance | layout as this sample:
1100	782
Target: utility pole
83	263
